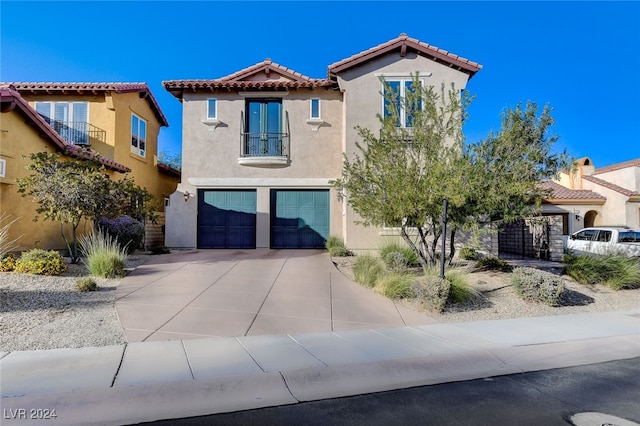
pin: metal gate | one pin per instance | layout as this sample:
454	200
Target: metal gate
525	239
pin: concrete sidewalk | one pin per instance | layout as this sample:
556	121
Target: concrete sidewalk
227	293
148	381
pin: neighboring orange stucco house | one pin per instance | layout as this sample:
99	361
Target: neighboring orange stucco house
118	122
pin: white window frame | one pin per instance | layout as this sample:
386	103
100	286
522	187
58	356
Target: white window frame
70	118
311	116
402	79
215	109
137	150
3	167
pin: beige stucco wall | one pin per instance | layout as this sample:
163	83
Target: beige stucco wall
363	103
17	139
627	178
210	158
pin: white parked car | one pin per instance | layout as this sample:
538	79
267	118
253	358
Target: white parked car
605	240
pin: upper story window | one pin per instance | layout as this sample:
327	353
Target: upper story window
69	119
400	100
138	135
263	135
315	112
212	109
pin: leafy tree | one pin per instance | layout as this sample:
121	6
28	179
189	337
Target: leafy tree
72	191
401	176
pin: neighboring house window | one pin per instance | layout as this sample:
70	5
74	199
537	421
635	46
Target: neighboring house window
264	128
69	119
315	109
398	100
138	135
3	167
212	109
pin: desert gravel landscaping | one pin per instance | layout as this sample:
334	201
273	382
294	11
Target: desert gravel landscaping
43	312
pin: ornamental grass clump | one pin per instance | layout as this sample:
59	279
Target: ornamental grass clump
102	254
395	285
367	270
493	263
86	284
613	270
536	285
41	262
336	247
431	291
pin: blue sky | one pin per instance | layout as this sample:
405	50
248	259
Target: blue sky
582	58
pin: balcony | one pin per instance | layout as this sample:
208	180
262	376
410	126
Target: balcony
264	149
78	132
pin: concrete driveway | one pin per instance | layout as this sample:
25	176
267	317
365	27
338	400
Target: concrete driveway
214	293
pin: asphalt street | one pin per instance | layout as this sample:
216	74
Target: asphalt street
549	397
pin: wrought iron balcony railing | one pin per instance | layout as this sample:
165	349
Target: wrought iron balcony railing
78	132
264	145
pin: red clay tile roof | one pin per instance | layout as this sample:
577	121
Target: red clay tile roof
618	166
402	43
93	88
241	80
11	100
612	186
559	192
166	169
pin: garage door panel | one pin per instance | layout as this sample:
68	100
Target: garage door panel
299	218
226	219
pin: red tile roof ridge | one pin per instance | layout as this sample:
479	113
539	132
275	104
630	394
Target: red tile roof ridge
469	65
612	186
267	63
118	87
560	192
617	166
13	97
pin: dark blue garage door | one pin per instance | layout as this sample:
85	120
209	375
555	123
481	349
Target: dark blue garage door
226	219
299	218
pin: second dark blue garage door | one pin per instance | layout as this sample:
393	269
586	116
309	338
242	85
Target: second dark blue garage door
226	219
299	218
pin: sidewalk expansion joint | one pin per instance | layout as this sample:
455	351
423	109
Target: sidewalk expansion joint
184	349
115	376
284	379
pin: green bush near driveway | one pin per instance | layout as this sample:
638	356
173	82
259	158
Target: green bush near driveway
336	247
41	262
367	270
536	285
612	270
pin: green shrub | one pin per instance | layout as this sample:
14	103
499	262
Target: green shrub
493	263
468	253
460	290
410	257
395	285
336	247
613	270
86	284
7	262
159	250
367	269
127	231
431	291
396	262
102	254
41	262
539	286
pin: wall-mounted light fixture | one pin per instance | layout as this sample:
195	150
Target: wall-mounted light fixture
577	213
186	196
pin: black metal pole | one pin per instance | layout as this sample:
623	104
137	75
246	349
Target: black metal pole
444	236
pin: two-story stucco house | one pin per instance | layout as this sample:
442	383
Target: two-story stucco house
261	145
117	121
